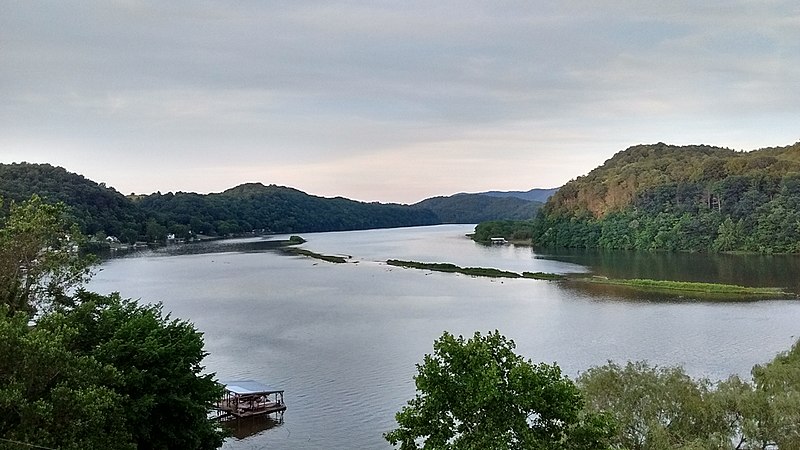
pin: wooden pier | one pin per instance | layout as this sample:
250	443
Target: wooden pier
248	398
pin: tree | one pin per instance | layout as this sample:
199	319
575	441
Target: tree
767	412
52	396
39	258
92	371
729	235
158	368
129	236
662	407
656	407
477	393
155	232
108	373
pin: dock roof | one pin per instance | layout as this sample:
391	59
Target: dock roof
248	387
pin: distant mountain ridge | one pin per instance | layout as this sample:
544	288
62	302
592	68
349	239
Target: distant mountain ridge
534	195
102	210
277	209
475	208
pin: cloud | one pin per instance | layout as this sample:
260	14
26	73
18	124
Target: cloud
345	89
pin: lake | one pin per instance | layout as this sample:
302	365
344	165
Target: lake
343	339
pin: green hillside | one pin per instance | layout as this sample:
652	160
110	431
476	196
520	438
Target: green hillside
93	207
275	209
100	209
689	198
474	208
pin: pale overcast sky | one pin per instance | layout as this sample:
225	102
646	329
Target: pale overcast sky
386	100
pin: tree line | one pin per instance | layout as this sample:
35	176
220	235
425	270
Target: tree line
740	213
667	198
100	211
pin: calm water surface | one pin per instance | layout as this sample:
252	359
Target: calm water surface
343	339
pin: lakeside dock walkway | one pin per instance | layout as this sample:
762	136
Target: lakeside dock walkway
247	398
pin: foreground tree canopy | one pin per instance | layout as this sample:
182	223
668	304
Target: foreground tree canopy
107	374
478	394
90	371
659	408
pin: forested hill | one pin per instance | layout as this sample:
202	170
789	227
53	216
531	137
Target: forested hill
474	208
690	198
101	210
94	207
276	209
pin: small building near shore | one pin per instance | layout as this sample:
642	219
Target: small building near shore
246	398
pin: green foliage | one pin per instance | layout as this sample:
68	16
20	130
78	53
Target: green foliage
659	408
243	209
687	173
154	231
158	361
39	258
730	236
770	407
656	408
108	373
92	206
477	393
667	198
52	396
509	229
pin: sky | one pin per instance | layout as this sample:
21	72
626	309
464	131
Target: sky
384	100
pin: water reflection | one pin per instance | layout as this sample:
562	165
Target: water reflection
246	427
746	270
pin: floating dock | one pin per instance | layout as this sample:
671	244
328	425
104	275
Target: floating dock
248	398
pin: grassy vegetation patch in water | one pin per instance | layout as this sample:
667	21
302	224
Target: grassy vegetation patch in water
488	272
310	254
543	276
688	286
711	290
452	268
